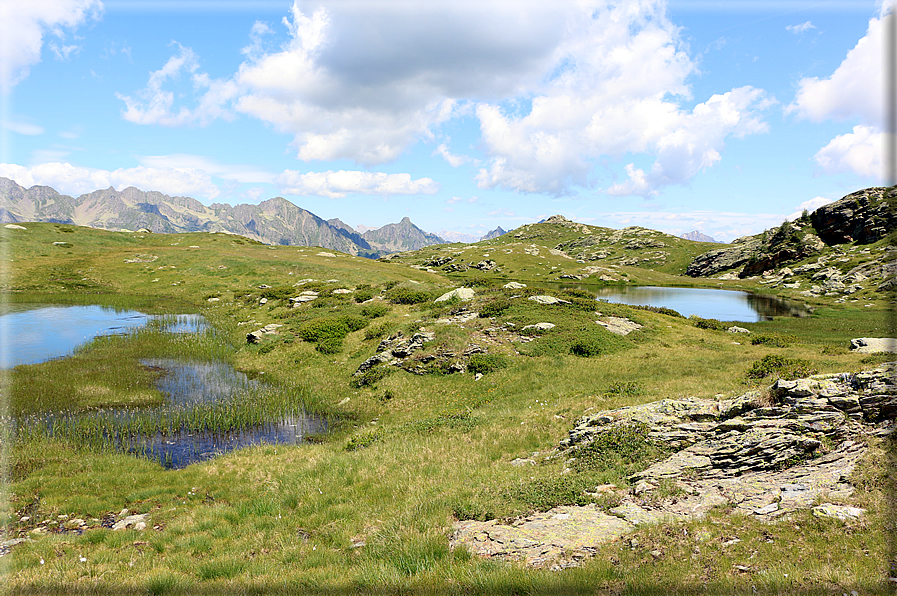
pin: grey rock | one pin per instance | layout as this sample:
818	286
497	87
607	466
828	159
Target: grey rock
132	521
619	325
871	345
463	294
259	334
544	299
737	329
539	327
842	512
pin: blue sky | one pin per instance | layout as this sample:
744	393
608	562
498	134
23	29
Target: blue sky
464	115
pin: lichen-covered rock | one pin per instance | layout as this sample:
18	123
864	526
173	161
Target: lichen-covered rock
462	294
864	217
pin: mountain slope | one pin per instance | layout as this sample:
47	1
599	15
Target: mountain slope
275	221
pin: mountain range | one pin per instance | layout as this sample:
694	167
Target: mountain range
275	221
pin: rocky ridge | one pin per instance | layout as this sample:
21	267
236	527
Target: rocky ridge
764	456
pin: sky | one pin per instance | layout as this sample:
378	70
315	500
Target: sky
723	116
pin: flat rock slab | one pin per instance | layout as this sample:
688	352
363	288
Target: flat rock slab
463	294
544	299
555	539
619	325
872	345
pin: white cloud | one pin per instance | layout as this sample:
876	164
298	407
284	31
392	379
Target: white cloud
155	105
23	25
338	184
612	94
854	90
452	159
859	152
798	29
23	128
75	180
240	173
810	205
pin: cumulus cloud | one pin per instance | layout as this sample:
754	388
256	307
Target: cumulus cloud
338	184
155	105
854	90
613	93
75	180
557	88
859	152
798	29
23	25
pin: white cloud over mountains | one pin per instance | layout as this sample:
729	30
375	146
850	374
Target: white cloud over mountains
338	184
556	87
25	23
192	175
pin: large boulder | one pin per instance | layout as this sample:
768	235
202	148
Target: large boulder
462	294
863	217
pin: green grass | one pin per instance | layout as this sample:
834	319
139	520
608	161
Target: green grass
408	453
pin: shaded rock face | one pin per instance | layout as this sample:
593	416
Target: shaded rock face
764	461
864	217
724	258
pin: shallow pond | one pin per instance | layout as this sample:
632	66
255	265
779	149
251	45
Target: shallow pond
33	333
724	305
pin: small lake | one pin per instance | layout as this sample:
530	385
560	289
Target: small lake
33	333
724	305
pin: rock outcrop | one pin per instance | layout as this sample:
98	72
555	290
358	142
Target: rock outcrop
763	457
864	217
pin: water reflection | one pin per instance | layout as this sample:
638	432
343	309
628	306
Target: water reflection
35	333
725	305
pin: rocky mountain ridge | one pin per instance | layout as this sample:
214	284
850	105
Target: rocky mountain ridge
275	221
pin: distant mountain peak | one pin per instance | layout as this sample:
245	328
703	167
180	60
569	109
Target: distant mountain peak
494	234
697	236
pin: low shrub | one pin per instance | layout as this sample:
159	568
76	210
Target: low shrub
623	449
372	376
330	345
774	340
364	439
628	388
372	311
485	363
783	368
363	295
588	347
278	293
408	296
494	308
377	331
323	328
702	323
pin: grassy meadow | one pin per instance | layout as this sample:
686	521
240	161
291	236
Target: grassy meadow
369	507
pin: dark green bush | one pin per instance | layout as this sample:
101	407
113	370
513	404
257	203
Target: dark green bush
702	323
774	340
377	331
372	311
494	308
587	347
329	345
623	448
783	368
354	322
408	296
363	295
371	376
484	363
279	293
318	329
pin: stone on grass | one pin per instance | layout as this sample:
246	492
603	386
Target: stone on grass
737	329
513	285
463	294
842	512
619	325
544	299
15	227
539	327
132	521
871	345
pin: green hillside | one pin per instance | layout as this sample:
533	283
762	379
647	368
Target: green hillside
465	424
